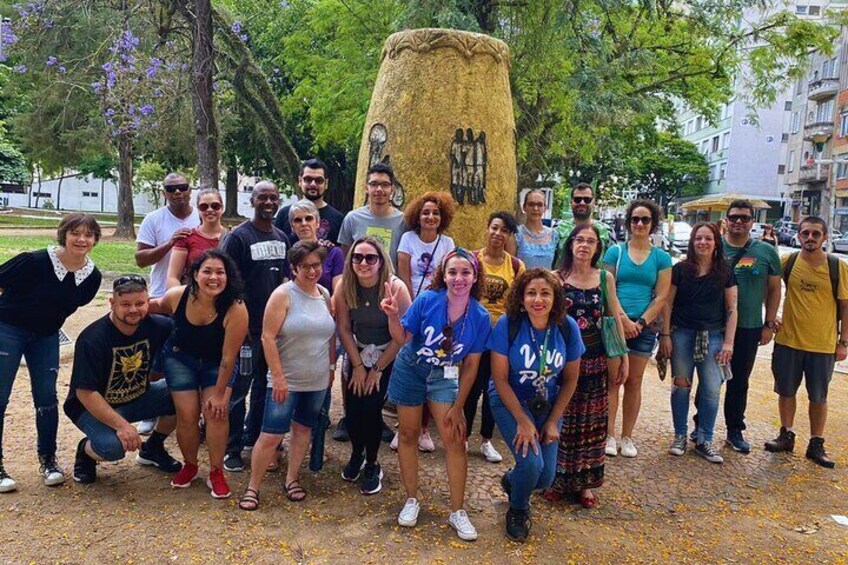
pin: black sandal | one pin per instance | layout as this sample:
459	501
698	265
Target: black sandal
249	501
295	492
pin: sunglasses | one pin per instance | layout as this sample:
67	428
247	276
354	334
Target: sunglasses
814	234
644	220
313	180
582	199
304	219
172	188
216	206
369	258
447	342
128	279
737	218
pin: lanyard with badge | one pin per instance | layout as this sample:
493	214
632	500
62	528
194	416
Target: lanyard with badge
451	371
540	404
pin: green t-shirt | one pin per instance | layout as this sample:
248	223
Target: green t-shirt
752	272
564	229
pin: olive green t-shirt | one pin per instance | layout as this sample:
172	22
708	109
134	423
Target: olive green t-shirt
752	271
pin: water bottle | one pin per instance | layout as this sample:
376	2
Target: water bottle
246	360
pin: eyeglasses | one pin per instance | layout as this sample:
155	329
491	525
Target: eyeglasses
128	279
172	188
447	342
585	241
309	266
203	206
369	258
314	180
376	184
644	220
582	199
739	218
304	219
814	234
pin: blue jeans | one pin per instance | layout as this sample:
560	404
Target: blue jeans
155	402
710	379
531	471
42	357
245	425
303	407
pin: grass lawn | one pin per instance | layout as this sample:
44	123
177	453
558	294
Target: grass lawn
8	220
116	256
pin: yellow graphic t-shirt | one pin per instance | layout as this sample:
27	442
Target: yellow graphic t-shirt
497	281
809	312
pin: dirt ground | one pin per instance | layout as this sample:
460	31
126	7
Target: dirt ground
759	508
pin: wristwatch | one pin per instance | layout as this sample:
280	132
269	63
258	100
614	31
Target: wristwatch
376	368
642	322
770	324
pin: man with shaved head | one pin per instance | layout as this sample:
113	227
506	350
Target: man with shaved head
259	249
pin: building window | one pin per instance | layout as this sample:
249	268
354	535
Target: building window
699	123
796	122
725	140
784	137
843	125
715	144
841	170
713	171
722	171
705	146
824	112
42	195
781	169
829	68
90	194
787	106
791	161
801	9
814	10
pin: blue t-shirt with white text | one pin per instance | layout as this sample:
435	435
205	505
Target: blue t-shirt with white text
427	316
524	354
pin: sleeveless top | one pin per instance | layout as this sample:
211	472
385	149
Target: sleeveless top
201	342
304	340
536	250
370	325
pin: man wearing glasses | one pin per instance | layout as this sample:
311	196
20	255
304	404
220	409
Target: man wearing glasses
756	267
582	205
111	388
810	339
313	182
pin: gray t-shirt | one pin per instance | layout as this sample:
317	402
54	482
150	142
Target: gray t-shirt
304	340
362	221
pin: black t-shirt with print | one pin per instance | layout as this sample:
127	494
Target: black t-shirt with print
113	364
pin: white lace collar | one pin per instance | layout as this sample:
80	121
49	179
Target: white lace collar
60	270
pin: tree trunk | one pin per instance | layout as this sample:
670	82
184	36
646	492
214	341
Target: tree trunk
206	129
102	195
126	213
59	189
231	208
38	192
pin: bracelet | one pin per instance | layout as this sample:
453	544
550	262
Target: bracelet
665	335
358	366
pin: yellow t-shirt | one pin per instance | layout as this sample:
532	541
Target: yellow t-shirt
809	314
497	281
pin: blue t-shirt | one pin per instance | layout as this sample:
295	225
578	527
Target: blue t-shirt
524	356
635	283
427	316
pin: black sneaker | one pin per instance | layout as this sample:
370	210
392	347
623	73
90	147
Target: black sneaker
506	484
50	471
233	463
517	524
353	468
817	454
693	436
785	441
340	433
85	468
388	434
156	455
372	476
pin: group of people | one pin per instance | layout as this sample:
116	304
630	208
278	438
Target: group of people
553	327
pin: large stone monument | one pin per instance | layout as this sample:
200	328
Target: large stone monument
441	114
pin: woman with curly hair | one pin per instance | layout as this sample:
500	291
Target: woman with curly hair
580	464
442	334
535	349
210	323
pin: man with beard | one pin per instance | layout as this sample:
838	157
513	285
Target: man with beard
259	249
582	205
111	388
313	182
809	339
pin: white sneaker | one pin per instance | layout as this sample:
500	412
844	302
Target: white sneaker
628	448
145	427
463	526
7	483
612	447
425	443
394	445
408	517
490	453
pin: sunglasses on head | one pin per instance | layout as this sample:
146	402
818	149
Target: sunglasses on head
447	342
369	258
172	188
582	199
640	220
203	206
735	218
128	279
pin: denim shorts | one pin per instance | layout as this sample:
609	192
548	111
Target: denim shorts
184	372
643	344
414	383
304	407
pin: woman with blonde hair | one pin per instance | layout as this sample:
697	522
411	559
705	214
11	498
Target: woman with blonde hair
207	235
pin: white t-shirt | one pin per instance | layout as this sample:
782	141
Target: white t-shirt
420	254
157	227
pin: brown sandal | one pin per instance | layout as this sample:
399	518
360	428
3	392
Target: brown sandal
295	492
249	501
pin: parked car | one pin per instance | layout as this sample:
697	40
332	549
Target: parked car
785	231
679	236
840	245
795	242
757	230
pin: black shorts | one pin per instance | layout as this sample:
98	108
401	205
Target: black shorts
790	365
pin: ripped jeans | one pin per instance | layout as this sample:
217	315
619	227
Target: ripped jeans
42	357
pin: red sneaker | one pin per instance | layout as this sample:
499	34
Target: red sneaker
218	484
187	474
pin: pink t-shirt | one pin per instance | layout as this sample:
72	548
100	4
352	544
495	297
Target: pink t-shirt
196	243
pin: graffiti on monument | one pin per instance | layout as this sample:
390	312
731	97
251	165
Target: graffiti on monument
468	167
377	138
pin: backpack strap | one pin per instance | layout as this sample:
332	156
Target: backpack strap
516	264
514	326
833	268
790	264
622	248
565	330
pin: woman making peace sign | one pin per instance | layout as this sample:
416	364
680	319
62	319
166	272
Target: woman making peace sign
443	327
